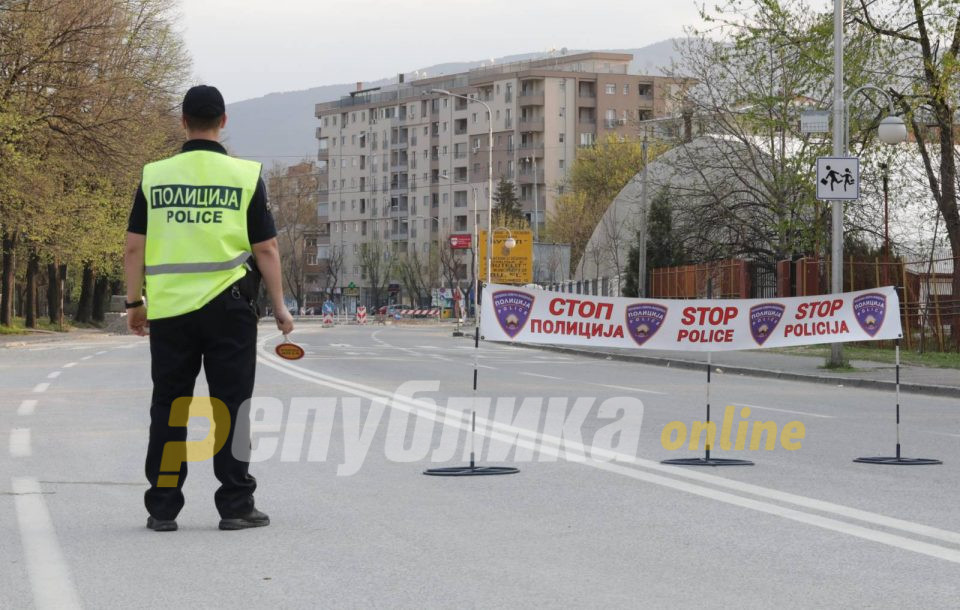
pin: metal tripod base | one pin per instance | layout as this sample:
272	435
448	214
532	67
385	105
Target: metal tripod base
710	461
898	461
470	471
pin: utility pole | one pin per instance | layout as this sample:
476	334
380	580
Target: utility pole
642	238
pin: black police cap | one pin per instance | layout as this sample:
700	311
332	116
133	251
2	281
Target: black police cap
204	102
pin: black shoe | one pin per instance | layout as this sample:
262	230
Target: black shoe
162	525
252	519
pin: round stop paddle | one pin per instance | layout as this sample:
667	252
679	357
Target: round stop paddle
288	350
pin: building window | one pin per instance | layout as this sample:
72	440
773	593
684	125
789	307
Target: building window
561	163
610	89
560	136
626	89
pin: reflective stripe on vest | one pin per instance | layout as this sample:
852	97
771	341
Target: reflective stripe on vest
197	267
197	241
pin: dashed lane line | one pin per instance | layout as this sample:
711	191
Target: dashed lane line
20	443
806	413
53	375
41	387
541	376
69	365
49	574
627	388
27	407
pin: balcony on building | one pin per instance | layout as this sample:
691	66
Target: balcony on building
586	93
530	149
531	123
531	93
460	174
526	175
459	127
399	139
586	119
399	161
527	203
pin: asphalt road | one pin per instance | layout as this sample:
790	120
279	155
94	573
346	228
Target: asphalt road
804	528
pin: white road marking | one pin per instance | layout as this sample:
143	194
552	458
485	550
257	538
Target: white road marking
512	434
46	566
20	443
86	357
808	414
541	376
41	387
53	375
69	365
627	388
26	407
339	345
100	353
941	433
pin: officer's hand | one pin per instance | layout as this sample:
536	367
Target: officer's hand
137	321
284	321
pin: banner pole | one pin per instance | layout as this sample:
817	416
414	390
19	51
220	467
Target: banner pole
707	460
898	459
472	469
707	445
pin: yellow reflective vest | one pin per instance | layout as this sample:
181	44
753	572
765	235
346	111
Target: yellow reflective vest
197	241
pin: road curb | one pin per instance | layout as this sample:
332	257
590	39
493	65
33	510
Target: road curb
875	384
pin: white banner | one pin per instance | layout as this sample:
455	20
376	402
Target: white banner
539	316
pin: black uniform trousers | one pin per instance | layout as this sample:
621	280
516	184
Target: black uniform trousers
223	335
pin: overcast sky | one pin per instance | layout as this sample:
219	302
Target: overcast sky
249	48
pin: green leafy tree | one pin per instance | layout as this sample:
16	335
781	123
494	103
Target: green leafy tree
599	173
664	247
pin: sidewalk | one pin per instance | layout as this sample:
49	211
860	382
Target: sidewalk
768	364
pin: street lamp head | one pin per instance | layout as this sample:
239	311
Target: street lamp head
510	243
440	91
892	130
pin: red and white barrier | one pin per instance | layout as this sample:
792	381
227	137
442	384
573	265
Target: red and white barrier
421	312
327	320
361	315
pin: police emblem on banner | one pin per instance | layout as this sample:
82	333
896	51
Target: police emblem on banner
513	309
644	320
764	319
869	310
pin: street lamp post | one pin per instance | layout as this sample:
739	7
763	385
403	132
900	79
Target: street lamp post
536	200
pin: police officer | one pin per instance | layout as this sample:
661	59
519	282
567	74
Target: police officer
199	232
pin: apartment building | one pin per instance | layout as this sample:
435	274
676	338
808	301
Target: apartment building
407	167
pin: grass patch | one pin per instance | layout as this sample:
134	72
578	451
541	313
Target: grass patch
17	328
943	360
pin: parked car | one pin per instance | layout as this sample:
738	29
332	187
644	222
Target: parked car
393	310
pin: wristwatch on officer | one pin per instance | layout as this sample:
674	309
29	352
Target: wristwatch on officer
134	304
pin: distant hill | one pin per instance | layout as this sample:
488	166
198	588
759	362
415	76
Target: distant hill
280	127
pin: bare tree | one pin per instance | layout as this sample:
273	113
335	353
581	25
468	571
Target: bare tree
293	195
378	264
916	49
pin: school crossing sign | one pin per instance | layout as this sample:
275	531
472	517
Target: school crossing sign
838	178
